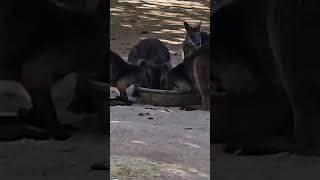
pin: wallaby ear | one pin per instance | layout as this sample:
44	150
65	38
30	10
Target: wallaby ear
198	27
186	26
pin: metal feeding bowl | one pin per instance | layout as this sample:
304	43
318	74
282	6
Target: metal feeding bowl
167	98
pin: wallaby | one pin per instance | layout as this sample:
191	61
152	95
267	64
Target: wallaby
156	54
193	74
194	39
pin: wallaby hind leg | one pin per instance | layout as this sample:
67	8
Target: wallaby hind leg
38	83
201	69
121	85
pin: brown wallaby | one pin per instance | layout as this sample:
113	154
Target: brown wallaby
123	74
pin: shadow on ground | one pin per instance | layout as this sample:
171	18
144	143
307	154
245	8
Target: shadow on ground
133	20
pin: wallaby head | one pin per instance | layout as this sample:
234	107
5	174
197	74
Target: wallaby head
143	64
193	37
172	77
145	72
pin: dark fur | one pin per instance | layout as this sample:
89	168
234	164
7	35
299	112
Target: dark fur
155	53
193	74
45	43
278	40
195	38
124	74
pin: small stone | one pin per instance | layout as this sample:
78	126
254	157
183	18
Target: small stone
143	114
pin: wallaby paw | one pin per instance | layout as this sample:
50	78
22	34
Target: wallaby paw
128	103
32	132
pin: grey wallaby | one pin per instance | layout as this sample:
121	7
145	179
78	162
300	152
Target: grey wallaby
195	38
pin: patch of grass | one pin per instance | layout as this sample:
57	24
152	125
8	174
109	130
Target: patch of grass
126	167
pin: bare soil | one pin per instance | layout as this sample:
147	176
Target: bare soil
52	160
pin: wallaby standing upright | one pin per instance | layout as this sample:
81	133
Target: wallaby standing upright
194	39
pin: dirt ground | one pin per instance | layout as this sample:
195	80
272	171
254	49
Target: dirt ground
169	136
52	160
271	167
150	142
